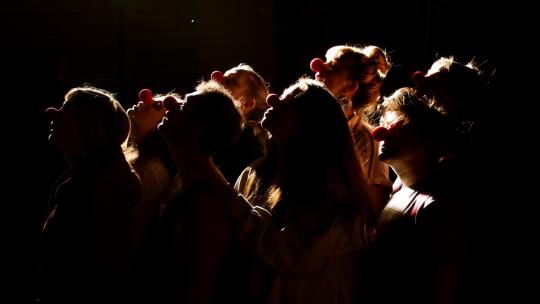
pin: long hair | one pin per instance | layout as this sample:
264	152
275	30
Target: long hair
255	88
101	120
366	65
323	143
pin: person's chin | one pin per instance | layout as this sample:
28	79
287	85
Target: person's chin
162	128
266	122
384	156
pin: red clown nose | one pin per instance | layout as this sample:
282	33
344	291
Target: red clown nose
272	100
145	95
317	65
379	133
217	76
418	77
171	104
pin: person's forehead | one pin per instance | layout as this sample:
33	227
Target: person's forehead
240	76
437	68
191	98
68	105
291	92
230	73
390	115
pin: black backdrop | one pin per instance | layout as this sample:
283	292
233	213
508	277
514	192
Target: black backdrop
123	46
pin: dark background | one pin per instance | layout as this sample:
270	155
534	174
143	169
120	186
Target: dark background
165	45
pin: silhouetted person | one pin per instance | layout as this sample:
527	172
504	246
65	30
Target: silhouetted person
422	238
148	153
249	91
197	256
85	239
355	76
313	240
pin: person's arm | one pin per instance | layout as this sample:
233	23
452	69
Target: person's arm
241	181
293	251
249	222
285	248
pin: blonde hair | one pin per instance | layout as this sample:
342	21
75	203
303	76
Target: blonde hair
368	66
256	89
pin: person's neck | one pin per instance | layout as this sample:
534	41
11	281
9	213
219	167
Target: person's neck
194	167
83	160
74	160
415	173
139	136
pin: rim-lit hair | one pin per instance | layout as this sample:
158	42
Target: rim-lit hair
256	89
215	110
429	121
322	143
465	87
101	120
368	66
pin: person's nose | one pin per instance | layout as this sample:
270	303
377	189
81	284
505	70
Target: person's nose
380	133
418	77
317	65
272	100
146	96
171	104
217	76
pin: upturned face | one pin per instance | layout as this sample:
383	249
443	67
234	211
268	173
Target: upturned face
145	116
280	119
329	72
398	142
64	129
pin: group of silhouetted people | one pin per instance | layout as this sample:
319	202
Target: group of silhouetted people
231	194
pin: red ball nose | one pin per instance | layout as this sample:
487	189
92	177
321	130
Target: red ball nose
272	100
418	77
146	96
171	104
217	76
379	133
317	65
